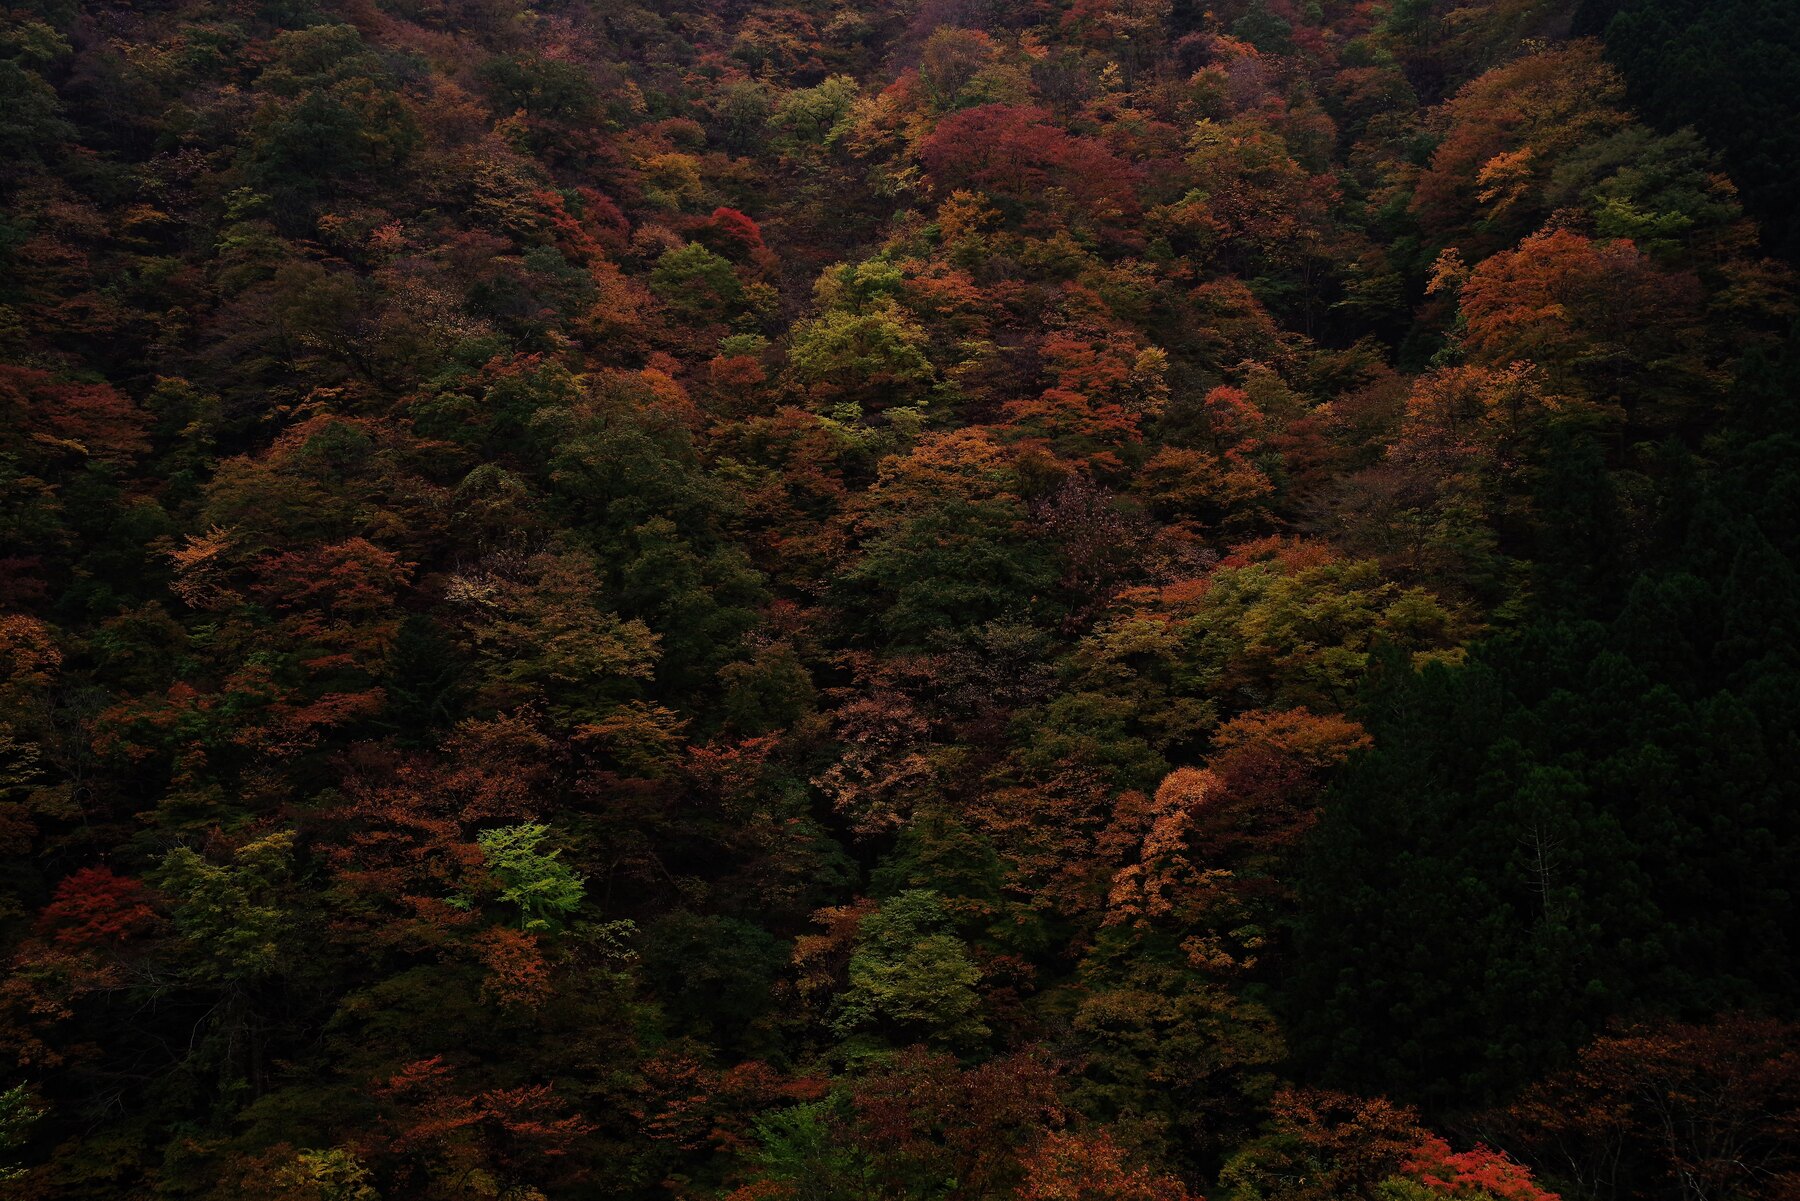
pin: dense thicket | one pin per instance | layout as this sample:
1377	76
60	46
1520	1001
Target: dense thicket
1082	601
1593	815
1728	69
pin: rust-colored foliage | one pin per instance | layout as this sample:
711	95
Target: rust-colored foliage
867	601
94	907
1070	1166
1703	1109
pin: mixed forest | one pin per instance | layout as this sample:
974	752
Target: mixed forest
900	600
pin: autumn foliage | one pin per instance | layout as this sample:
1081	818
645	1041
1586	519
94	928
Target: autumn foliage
783	600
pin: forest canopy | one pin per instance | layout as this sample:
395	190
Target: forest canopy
934	600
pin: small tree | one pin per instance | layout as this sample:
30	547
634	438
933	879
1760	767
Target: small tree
911	974
543	889
697	283
17	1116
